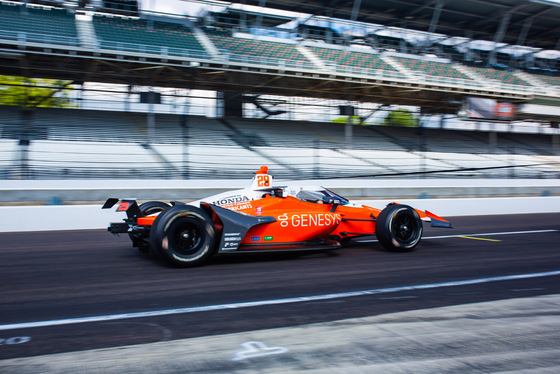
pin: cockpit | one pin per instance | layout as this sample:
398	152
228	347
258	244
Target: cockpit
321	196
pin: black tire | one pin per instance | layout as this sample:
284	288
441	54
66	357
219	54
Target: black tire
139	240
398	228
152	207
183	236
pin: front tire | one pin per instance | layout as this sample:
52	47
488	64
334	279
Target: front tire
183	236
398	228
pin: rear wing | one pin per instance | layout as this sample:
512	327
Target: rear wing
130	206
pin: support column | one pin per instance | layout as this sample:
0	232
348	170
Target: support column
24	143
435	16
348	132
524	31
185	132
127	101
356	10
504	23
151	119
492	141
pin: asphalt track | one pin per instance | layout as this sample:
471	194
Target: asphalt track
70	291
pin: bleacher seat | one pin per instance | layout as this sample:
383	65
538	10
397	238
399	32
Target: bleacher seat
87	144
160	37
548	79
38	24
434	68
257	51
363	60
501	76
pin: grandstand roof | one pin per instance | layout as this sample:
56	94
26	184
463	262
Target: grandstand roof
530	22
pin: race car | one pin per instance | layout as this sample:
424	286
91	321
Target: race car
264	217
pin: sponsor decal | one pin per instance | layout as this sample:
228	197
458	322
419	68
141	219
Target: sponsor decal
268	238
255	238
231	200
238	207
231	241
258	210
236	202
283	220
309	220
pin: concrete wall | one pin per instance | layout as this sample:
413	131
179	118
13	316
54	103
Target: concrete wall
78	217
185	190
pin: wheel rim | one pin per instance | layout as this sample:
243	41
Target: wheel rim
187	238
404	227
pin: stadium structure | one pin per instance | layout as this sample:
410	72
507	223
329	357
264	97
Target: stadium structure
478	80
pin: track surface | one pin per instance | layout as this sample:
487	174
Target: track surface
66	275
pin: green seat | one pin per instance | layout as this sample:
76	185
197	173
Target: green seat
52	25
252	49
149	33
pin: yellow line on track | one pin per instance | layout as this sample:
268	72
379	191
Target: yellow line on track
472	237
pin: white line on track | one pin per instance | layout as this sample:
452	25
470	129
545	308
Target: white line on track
250	304
479	234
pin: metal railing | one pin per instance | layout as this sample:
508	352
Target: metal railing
160	51
278	63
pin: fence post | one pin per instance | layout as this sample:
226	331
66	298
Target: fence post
24	142
422	149
185	142
348	132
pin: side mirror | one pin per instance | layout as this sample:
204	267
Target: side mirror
335	203
328	200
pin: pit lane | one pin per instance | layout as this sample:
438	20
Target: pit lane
52	276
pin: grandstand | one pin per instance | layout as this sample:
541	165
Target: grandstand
348	59
247	49
38	24
155	36
431	68
73	143
61	40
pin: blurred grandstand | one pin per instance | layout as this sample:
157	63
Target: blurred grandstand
218	93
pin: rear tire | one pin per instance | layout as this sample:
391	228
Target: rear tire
148	208
183	236
398	228
152	207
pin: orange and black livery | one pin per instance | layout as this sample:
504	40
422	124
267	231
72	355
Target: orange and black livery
264	217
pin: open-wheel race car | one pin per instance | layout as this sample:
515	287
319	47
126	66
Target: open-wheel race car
264	217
